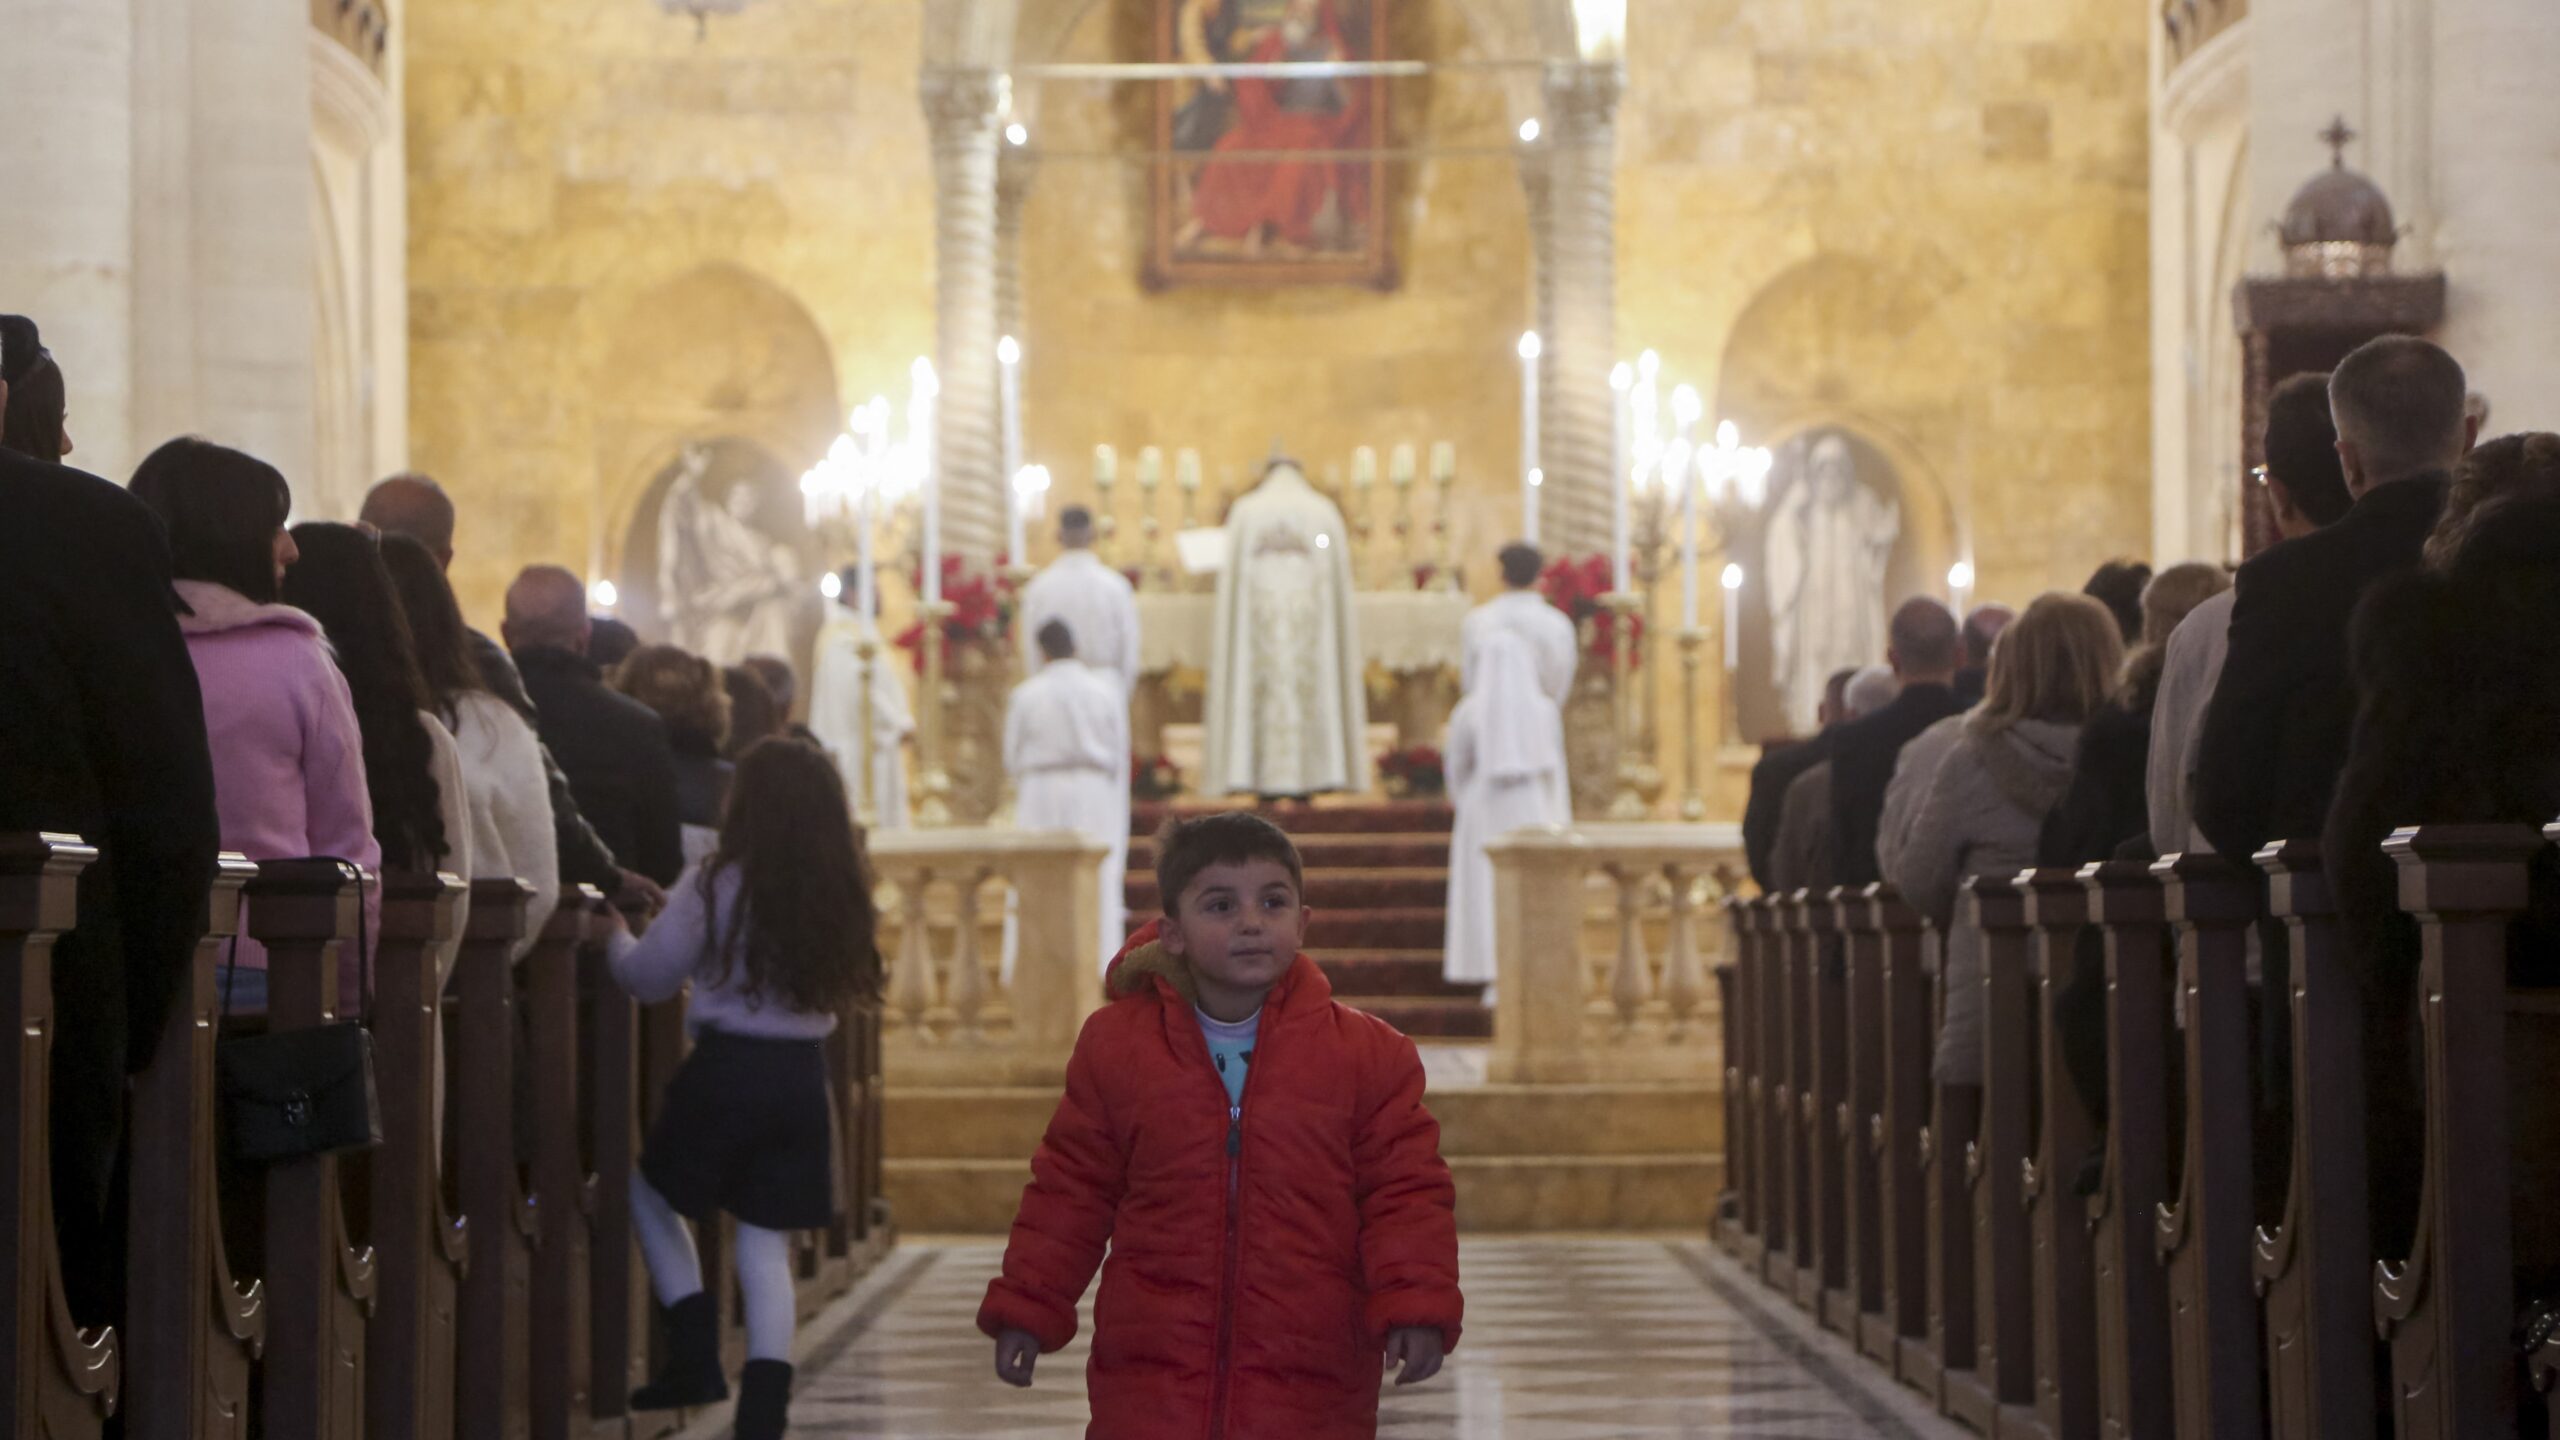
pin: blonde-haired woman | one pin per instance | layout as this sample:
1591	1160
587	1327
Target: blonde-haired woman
2054	667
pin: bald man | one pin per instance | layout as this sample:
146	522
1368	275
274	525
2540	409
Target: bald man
416	506
1924	646
613	748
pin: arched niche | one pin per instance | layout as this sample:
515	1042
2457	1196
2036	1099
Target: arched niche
717	358
1846	349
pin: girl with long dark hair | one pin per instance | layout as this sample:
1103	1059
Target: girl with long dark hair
775	932
411	769
288	756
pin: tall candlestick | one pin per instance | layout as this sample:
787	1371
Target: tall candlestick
1530	474
1009	395
1017	511
1364	468
920	408
1679	467
874	463
1622	382
1732	621
1400	466
1444	461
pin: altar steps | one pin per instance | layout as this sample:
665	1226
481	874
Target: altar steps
1378	879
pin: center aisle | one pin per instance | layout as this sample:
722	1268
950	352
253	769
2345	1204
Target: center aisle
1567	1339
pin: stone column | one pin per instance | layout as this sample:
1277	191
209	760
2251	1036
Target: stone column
2497	201
1537	177
1578	286
963	109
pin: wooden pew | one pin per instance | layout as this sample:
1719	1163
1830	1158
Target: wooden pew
1760	1194
191	1330
63	1382
2130	1287
1995	1397
617	1282
2066	1342
494	1399
1860	1126
2447	1309
2312	1266
1731	1229
1795	1074
1955	1118
1822	1116
1777	1191
419	1247
320	1285
1900	1123
2205	1232
560	1392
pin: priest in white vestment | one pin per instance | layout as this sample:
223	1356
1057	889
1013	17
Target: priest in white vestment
1287	710
835	712
1066	746
1520	610
1506	768
1096	601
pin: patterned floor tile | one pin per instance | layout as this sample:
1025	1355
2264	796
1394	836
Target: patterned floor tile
1567	1339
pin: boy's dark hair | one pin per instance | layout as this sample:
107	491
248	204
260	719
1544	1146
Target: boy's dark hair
1184	848
1057	642
1521	563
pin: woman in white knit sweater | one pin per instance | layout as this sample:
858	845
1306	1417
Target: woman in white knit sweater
2006	769
509	800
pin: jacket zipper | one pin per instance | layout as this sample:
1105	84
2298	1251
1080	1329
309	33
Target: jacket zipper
1231	1253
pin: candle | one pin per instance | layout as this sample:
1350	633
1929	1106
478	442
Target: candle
867	478
1622	381
1732	620
1017	512
1186	471
1150	469
1364	468
1444	462
1009	392
1679	467
1400	466
1530	473
920	408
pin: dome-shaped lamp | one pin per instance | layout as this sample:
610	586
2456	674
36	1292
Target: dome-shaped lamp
2339	225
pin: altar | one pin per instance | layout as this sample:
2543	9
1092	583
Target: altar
1409	636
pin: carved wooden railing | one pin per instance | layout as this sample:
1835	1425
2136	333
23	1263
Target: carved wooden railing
460	1279
1971	1265
1638	1007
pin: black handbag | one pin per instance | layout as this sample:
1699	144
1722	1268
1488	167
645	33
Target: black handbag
300	1093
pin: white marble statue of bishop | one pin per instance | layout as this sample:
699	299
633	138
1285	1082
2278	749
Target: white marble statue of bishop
835	711
1066	745
1506	771
1096	601
1828	547
1287	711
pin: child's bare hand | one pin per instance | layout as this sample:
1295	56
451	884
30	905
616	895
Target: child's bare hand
1017	1352
1417	1348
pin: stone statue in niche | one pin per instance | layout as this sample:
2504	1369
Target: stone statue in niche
726	588
1827	550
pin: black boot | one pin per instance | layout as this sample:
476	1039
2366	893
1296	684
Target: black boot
691	1377
764	1400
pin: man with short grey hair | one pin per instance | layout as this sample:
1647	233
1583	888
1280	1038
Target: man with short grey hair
613	748
2275	734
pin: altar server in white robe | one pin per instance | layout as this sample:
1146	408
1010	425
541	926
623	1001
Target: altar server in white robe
1066	745
835	711
1096	601
1287	711
1522	611
1506	771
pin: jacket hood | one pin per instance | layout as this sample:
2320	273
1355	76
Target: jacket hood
212	609
1144	961
2030	762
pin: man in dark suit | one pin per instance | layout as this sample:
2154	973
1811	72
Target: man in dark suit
101	735
1981	631
1775	773
1924	647
613	748
2275	736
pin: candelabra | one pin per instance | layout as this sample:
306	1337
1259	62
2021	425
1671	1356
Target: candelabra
1106	474
1444	477
1631	802
933	809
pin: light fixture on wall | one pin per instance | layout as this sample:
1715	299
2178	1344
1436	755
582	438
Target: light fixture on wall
702	11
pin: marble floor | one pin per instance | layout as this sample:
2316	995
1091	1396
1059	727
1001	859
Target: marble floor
1567	1339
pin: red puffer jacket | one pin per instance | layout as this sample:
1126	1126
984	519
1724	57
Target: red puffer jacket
1256	1267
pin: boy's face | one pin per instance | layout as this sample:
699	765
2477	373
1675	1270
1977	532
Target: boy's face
1239	925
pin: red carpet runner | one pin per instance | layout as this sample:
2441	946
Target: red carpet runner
1378	877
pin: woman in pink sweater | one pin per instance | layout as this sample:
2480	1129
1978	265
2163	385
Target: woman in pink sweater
288	760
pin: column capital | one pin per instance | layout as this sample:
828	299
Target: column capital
1583	95
963	101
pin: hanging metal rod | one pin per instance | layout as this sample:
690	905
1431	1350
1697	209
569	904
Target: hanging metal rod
1266	157
1263	70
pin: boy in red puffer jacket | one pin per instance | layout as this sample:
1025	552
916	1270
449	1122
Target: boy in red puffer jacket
1258	1161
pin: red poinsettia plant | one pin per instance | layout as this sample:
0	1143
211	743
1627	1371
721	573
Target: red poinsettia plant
982	606
1414	770
1154	777
1576	588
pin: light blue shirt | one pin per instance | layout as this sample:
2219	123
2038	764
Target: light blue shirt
1231	1050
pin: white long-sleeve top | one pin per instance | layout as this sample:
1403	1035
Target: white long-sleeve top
681	947
1070	716
509	802
1100	610
1527	614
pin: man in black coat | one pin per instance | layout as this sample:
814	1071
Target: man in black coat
613	748
101	735
2275	736
1775	773
1924	648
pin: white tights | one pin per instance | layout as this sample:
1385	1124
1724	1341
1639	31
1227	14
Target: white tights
675	1269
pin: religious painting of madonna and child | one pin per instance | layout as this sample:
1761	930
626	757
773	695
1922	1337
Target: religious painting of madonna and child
1276	180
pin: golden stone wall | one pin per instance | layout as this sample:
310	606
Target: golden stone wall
1923	219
